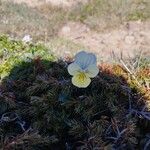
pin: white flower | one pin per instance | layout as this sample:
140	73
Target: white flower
83	68
27	38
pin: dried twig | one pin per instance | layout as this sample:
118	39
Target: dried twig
132	74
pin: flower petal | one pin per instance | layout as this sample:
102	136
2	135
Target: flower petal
84	59
92	71
77	81
73	69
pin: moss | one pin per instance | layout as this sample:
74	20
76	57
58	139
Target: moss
41	109
53	107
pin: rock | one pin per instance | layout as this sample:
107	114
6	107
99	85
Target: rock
73	29
65	30
129	39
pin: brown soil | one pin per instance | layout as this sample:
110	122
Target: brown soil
128	40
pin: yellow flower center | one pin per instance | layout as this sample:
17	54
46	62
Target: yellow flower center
81	79
81	76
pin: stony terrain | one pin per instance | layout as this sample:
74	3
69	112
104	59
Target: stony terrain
129	39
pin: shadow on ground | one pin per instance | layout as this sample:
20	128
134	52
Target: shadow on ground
40	109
